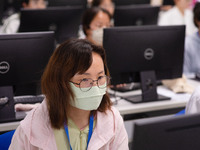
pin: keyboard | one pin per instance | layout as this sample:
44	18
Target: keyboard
128	87
28	99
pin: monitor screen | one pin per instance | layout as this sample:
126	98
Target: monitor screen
172	133
64	21
67	3
136	15
1	11
144	54
130	2
23	57
168	2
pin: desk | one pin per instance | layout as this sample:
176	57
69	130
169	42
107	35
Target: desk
178	101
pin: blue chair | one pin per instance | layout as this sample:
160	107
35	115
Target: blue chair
182	112
5	140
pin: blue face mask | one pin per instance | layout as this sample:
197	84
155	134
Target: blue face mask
89	100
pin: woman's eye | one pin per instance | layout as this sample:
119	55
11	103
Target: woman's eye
100	77
85	79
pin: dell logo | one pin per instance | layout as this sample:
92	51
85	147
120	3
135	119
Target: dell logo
149	54
4	67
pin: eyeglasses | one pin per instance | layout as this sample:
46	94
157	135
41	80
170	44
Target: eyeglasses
87	83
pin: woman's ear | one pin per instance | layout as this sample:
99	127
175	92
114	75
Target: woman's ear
198	23
88	32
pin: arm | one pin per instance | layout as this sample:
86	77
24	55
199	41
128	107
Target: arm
120	141
187	58
20	141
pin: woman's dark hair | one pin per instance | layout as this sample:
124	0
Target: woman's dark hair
96	3
196	12
71	57
25	1
89	15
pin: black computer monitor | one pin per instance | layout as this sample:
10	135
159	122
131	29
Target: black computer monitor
144	54
130	2
168	2
136	15
67	3
64	21
23	57
172	133
1	11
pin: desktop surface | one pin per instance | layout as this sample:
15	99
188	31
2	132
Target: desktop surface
126	108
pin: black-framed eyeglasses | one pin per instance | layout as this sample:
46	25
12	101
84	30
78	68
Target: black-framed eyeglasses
87	83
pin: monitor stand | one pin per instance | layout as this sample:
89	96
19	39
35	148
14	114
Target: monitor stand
7	112
149	89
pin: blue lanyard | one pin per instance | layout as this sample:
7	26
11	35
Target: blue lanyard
89	134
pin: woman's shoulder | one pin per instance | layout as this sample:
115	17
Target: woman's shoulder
38	115
112	115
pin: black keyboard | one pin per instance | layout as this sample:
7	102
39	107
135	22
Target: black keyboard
28	99
129	87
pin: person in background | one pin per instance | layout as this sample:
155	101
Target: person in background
192	47
180	14
12	23
94	20
105	4
164	4
193	105
77	108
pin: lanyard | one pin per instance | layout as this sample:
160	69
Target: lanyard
89	134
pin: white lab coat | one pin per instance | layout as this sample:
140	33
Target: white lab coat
11	24
174	17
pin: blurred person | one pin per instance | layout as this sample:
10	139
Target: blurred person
192	47
94	20
12	23
179	14
105	4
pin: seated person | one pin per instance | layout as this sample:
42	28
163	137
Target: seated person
192	47
193	105
12	23
93	21
105	4
76	109
180	14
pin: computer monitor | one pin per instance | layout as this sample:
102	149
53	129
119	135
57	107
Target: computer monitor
67	3
168	2
1	11
64	21
130	2
136	15
144	54
23	57
172	133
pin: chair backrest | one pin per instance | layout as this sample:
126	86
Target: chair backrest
182	112
5	140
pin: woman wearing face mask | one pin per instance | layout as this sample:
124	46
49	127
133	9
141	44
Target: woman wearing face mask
93	21
77	109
